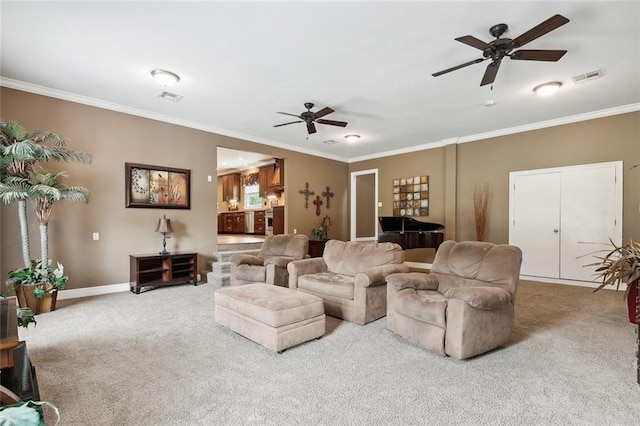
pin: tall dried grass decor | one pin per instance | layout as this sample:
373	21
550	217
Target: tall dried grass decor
481	197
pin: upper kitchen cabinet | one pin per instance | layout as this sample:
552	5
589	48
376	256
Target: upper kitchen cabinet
231	187
271	178
277	179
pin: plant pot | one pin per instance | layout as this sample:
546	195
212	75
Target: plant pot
632	303
38	305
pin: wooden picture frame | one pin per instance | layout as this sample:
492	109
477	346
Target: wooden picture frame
157	187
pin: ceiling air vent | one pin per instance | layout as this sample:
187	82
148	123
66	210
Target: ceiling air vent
170	96
331	142
581	78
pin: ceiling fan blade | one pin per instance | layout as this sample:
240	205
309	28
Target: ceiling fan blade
457	67
491	72
288	113
324	111
311	128
332	122
539	30
538	55
473	42
291	122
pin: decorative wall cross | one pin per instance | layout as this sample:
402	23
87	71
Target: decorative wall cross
317	202
328	195
306	194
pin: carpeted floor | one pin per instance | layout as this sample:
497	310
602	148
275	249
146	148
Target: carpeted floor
158	358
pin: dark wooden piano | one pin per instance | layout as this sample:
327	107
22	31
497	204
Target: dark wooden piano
410	233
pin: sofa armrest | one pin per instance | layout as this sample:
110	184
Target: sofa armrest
483	297
376	276
415	280
300	267
280	261
246	259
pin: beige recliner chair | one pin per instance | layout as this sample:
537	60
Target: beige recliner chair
270	264
350	278
464	306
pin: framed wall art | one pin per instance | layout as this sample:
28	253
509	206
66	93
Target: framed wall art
411	196
157	187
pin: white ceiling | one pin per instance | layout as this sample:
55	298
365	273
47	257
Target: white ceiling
240	62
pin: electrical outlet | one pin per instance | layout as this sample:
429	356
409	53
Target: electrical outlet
295	231
96	236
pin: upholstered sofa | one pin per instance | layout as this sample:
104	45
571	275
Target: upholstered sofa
464	306
270	264
349	277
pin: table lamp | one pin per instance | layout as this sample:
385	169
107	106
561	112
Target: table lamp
164	227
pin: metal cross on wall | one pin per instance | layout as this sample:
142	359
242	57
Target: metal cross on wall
328	195
306	194
317	202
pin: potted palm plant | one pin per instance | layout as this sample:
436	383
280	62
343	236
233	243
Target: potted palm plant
21	151
618	266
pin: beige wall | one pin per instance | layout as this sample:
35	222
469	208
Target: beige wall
114	138
491	160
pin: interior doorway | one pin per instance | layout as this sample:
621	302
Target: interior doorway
364	202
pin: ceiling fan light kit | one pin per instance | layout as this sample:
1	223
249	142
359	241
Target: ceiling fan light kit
547	89
500	48
352	138
165	78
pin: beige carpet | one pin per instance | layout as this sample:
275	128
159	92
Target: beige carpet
158	358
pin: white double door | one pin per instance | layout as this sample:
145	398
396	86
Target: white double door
562	217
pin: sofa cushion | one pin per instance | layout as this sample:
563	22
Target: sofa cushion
423	305
268	304
251	273
329	284
294	246
351	257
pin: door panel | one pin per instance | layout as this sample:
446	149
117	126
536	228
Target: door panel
588	219
535	223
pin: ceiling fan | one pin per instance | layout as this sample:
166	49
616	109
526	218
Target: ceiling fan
497	49
310	118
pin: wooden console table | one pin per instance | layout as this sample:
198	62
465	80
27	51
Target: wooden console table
157	270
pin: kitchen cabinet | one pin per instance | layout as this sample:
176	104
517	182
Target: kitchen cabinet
278	220
237	226
264	178
259	222
276	184
231	187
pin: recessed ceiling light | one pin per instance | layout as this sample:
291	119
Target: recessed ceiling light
547	89
489	102
352	138
165	78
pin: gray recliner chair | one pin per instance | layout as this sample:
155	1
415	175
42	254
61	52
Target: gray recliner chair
464	306
270	264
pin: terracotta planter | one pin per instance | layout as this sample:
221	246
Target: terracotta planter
632	302
38	305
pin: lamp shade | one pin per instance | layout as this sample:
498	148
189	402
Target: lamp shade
164	225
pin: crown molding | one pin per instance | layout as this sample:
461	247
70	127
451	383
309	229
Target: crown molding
111	106
507	131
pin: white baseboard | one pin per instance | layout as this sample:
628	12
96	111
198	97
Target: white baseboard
74	293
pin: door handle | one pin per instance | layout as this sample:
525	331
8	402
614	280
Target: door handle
555	231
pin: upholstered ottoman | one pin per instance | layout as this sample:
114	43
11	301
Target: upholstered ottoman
275	317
